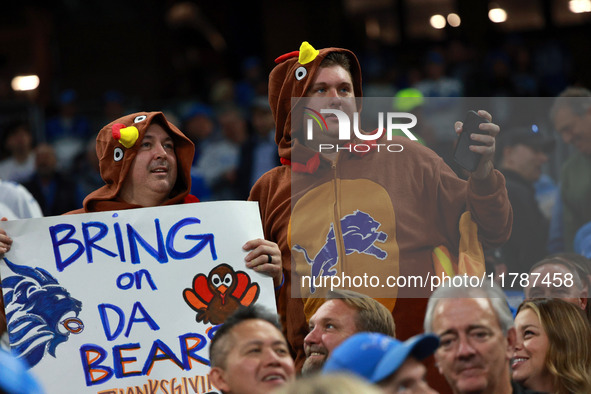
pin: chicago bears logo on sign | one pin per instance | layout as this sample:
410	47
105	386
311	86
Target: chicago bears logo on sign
360	233
41	314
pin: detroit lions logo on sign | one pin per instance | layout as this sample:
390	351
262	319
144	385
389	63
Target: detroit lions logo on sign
41	314
360	233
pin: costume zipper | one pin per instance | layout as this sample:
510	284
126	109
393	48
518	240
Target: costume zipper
337	215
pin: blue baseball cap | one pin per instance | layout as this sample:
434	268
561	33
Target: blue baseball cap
419	346
360	354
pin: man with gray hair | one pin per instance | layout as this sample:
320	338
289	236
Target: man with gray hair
476	333
571	116
343	314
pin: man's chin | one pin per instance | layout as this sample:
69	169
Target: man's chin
472	384
313	365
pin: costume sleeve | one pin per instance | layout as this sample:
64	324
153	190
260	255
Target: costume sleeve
486	200
491	210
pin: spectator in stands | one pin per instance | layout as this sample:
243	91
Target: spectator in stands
18	143
553	349
259	153
523	151
571	116
87	172
16	202
476	334
343	314
113	106
562	275
249	354
68	130
217	165
56	192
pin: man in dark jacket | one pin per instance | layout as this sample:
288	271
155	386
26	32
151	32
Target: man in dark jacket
523	152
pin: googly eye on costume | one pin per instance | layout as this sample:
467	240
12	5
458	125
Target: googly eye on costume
117	154
300	73
139	118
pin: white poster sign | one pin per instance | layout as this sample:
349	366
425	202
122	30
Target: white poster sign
128	301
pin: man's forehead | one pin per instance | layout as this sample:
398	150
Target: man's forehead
155	130
550	268
256	330
463	314
333	69
564	116
333	309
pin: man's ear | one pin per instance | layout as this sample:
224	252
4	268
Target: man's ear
217	377
511	341
583	297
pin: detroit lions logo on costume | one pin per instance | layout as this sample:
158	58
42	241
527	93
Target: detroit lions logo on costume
360	233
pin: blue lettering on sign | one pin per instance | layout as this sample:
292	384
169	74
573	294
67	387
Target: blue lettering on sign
66	237
126	280
138	309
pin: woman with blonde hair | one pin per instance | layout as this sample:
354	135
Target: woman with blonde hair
552	352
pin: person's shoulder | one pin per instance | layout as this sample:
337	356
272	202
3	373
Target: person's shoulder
76	211
274	179
574	166
275	175
14	189
576	160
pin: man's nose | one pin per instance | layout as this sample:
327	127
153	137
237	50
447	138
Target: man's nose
312	337
465	349
271	357
334	100
159	151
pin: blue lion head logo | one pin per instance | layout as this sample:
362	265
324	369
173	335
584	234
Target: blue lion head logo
360	233
40	313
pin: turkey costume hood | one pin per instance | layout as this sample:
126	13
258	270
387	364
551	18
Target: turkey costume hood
117	145
292	77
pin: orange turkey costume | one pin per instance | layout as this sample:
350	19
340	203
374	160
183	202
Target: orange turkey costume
413	196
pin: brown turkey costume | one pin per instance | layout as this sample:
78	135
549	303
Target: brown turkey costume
412	200
116	146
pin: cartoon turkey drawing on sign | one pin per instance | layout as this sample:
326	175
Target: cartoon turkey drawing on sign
216	296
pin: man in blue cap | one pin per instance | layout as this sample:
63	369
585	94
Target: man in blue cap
387	362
